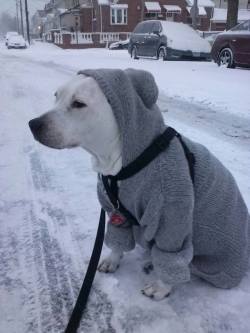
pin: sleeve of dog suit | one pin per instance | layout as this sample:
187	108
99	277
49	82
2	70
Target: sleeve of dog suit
172	249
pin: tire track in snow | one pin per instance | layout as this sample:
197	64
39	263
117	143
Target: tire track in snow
55	267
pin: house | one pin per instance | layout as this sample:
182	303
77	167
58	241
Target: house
70	18
95	23
123	15
37	23
50	16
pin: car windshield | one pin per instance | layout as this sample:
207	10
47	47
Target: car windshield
245	26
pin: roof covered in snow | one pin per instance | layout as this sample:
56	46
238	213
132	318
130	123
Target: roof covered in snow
172	8
103	2
153	6
202	3
202	11
220	15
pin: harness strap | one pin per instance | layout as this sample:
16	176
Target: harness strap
148	155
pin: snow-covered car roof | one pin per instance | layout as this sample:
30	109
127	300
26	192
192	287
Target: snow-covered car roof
11	33
181	36
17	38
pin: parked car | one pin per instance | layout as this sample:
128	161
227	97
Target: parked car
16	42
232	48
165	40
8	35
120	45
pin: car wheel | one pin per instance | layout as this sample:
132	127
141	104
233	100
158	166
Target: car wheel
226	58
134	53
162	53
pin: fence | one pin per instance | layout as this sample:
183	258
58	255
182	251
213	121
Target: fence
83	40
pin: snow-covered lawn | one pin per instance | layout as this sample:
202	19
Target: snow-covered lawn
49	210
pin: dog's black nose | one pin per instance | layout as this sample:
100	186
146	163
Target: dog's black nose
35	125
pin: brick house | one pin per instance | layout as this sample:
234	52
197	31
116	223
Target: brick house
123	15
96	23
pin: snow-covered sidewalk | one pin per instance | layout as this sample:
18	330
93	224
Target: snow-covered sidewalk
49	210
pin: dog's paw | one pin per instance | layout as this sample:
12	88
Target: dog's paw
157	290
107	266
111	263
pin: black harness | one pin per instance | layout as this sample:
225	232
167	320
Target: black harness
159	145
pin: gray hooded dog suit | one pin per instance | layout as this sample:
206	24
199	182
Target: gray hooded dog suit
200	228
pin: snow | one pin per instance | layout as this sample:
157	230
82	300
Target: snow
201	10
183	37
203	3
172	8
153	6
49	209
103	2
220	15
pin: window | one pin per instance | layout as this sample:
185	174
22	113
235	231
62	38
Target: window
242	27
119	15
152	16
157	27
147	27
138	28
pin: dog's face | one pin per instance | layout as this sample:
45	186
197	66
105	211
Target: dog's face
81	116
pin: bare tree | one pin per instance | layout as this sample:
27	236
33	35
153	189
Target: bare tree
232	13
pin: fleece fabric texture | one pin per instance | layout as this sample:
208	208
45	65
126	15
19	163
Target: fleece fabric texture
202	228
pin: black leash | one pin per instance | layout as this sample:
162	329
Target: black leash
82	299
110	184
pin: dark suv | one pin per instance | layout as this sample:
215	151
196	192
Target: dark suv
165	40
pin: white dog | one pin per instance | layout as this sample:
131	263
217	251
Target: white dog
82	117
201	228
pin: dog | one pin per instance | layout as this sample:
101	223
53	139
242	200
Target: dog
200	228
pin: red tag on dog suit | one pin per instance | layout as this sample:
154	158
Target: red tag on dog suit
117	219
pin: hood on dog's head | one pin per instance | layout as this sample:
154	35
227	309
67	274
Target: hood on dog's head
132	95
145	86
143	82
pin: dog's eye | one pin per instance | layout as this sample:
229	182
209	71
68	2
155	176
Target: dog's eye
78	105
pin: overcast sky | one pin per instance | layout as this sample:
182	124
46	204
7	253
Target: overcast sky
10	5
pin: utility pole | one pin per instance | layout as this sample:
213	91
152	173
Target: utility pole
194	13
27	21
17	17
21	15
